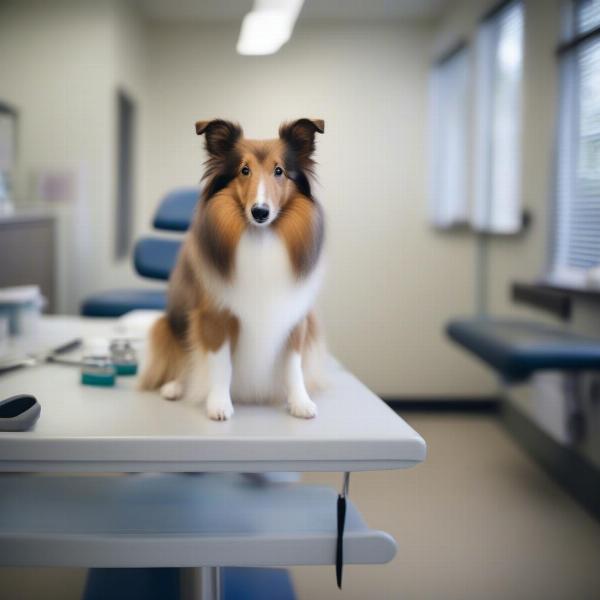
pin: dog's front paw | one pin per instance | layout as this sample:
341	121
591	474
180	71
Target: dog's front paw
219	406
172	390
301	405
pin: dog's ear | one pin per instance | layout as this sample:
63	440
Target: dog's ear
221	136
299	135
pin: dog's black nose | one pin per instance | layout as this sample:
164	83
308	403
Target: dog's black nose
260	212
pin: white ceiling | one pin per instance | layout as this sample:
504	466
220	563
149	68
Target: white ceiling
234	10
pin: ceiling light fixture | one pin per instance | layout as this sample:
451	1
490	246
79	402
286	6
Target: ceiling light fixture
268	26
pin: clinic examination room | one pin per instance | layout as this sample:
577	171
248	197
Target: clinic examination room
299	299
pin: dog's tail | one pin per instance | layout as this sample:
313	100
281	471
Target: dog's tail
165	359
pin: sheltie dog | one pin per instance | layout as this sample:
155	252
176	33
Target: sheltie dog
239	321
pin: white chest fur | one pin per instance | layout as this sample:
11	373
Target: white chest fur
268	300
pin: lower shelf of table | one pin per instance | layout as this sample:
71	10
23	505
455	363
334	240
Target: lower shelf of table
170	520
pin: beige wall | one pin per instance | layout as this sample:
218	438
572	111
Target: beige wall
392	282
52	71
62	64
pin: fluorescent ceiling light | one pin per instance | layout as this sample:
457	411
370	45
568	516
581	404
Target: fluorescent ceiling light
268	26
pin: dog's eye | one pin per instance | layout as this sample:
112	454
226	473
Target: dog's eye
278	171
246	170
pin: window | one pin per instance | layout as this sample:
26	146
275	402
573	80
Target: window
497	194
449	144
576	247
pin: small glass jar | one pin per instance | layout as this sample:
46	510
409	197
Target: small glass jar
97	366
124	357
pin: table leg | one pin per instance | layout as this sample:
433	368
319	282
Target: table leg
200	583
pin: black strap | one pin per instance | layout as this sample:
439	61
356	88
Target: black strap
339	556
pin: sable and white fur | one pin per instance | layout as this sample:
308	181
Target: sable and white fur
239	321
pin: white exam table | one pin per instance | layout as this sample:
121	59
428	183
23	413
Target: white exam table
175	516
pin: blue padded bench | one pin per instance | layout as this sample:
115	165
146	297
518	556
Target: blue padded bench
115	303
517	348
177	209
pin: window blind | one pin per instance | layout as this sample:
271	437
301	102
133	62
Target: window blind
576	247
497	194
449	140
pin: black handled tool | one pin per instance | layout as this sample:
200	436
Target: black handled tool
53	355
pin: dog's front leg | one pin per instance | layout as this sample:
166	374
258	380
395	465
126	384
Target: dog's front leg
298	400
218	401
212	335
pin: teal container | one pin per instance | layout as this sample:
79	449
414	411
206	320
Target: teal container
98	379
98	370
126	369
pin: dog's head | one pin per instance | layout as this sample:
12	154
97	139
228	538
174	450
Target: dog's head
262	176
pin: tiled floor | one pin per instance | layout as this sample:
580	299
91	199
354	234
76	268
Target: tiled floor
478	520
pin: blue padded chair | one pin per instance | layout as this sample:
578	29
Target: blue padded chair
155	257
152	257
176	210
